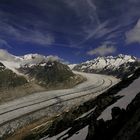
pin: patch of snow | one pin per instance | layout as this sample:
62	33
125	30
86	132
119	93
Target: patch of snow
71	66
50	65
109	62
129	94
2	66
42	65
86	114
13	62
130	75
33	56
81	135
12	66
83	67
57	136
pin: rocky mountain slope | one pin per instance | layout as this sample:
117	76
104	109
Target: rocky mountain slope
10	79
33	73
120	66
48	73
38	68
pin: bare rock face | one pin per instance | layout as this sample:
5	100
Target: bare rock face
10	79
51	72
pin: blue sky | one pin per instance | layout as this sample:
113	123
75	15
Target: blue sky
75	30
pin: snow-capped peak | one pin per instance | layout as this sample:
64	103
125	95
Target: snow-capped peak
15	62
71	66
32	56
113	61
109	64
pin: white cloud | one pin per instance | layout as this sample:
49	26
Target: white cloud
53	58
14	62
6	56
27	59
103	50
37	37
4	43
133	35
37	58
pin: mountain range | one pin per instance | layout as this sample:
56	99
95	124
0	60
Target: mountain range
22	75
120	66
35	68
50	71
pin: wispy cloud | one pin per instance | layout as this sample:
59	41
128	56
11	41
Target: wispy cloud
90	23
4	43
6	56
104	49
133	35
26	35
92	33
93	13
66	23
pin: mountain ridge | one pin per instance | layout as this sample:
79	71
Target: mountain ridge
34	73
120	66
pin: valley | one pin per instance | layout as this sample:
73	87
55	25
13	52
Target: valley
30	106
39	94
32	73
69	69
91	120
